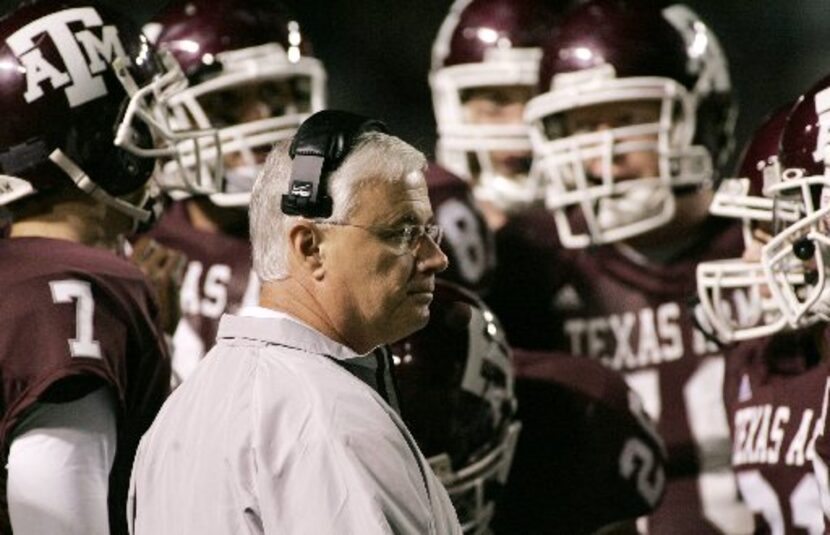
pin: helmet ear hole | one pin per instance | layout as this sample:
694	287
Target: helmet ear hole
115	170
134	171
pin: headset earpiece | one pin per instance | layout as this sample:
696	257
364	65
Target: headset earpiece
319	147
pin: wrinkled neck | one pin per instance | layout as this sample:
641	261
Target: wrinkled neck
293	297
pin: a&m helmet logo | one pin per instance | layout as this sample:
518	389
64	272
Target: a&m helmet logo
85	55
822	102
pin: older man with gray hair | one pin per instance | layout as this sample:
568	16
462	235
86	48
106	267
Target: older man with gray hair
286	426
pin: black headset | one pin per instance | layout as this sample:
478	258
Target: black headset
319	147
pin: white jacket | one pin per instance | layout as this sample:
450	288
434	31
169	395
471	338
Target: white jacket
270	435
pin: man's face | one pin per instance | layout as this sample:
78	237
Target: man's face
605	116
254	101
500	105
382	289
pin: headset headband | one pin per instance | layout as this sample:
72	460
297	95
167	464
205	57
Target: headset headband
319	147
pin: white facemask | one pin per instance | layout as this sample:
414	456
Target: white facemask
631	206
509	195
241	179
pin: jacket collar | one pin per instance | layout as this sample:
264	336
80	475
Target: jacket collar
276	327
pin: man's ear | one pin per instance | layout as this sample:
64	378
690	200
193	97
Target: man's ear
304	241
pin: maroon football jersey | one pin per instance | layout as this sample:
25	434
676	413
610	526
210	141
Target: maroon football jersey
587	455
773	390
72	314
468	242
633	315
219	279
821	454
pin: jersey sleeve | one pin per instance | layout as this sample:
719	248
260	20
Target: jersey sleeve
56	328
70	332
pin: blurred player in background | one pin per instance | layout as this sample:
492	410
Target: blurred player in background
253	78
632	119
776	364
587	455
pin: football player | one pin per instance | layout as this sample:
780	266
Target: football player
485	63
798	255
776	374
83	360
632	120
485	66
252	77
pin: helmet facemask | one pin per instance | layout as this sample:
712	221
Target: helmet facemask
733	293
590	202
280	90
145	113
797	260
472	148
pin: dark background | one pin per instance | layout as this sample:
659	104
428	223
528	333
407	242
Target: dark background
377	53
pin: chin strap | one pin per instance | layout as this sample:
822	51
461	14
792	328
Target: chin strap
88	186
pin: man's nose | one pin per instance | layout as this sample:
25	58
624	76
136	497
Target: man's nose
430	257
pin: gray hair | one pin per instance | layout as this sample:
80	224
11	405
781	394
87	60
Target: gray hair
375	157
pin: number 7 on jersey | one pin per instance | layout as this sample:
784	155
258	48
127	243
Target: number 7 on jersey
67	291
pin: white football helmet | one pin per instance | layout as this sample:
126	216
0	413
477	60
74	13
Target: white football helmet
235	52
620	53
487	44
734	297
796	261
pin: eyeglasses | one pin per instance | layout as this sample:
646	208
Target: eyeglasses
405	238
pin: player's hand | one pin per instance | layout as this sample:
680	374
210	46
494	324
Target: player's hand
165	268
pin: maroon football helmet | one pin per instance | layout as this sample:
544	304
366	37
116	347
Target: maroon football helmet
733	302
805	137
251	76
797	259
620	54
81	94
488	44
455	381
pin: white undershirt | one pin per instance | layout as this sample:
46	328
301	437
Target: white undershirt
59	464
